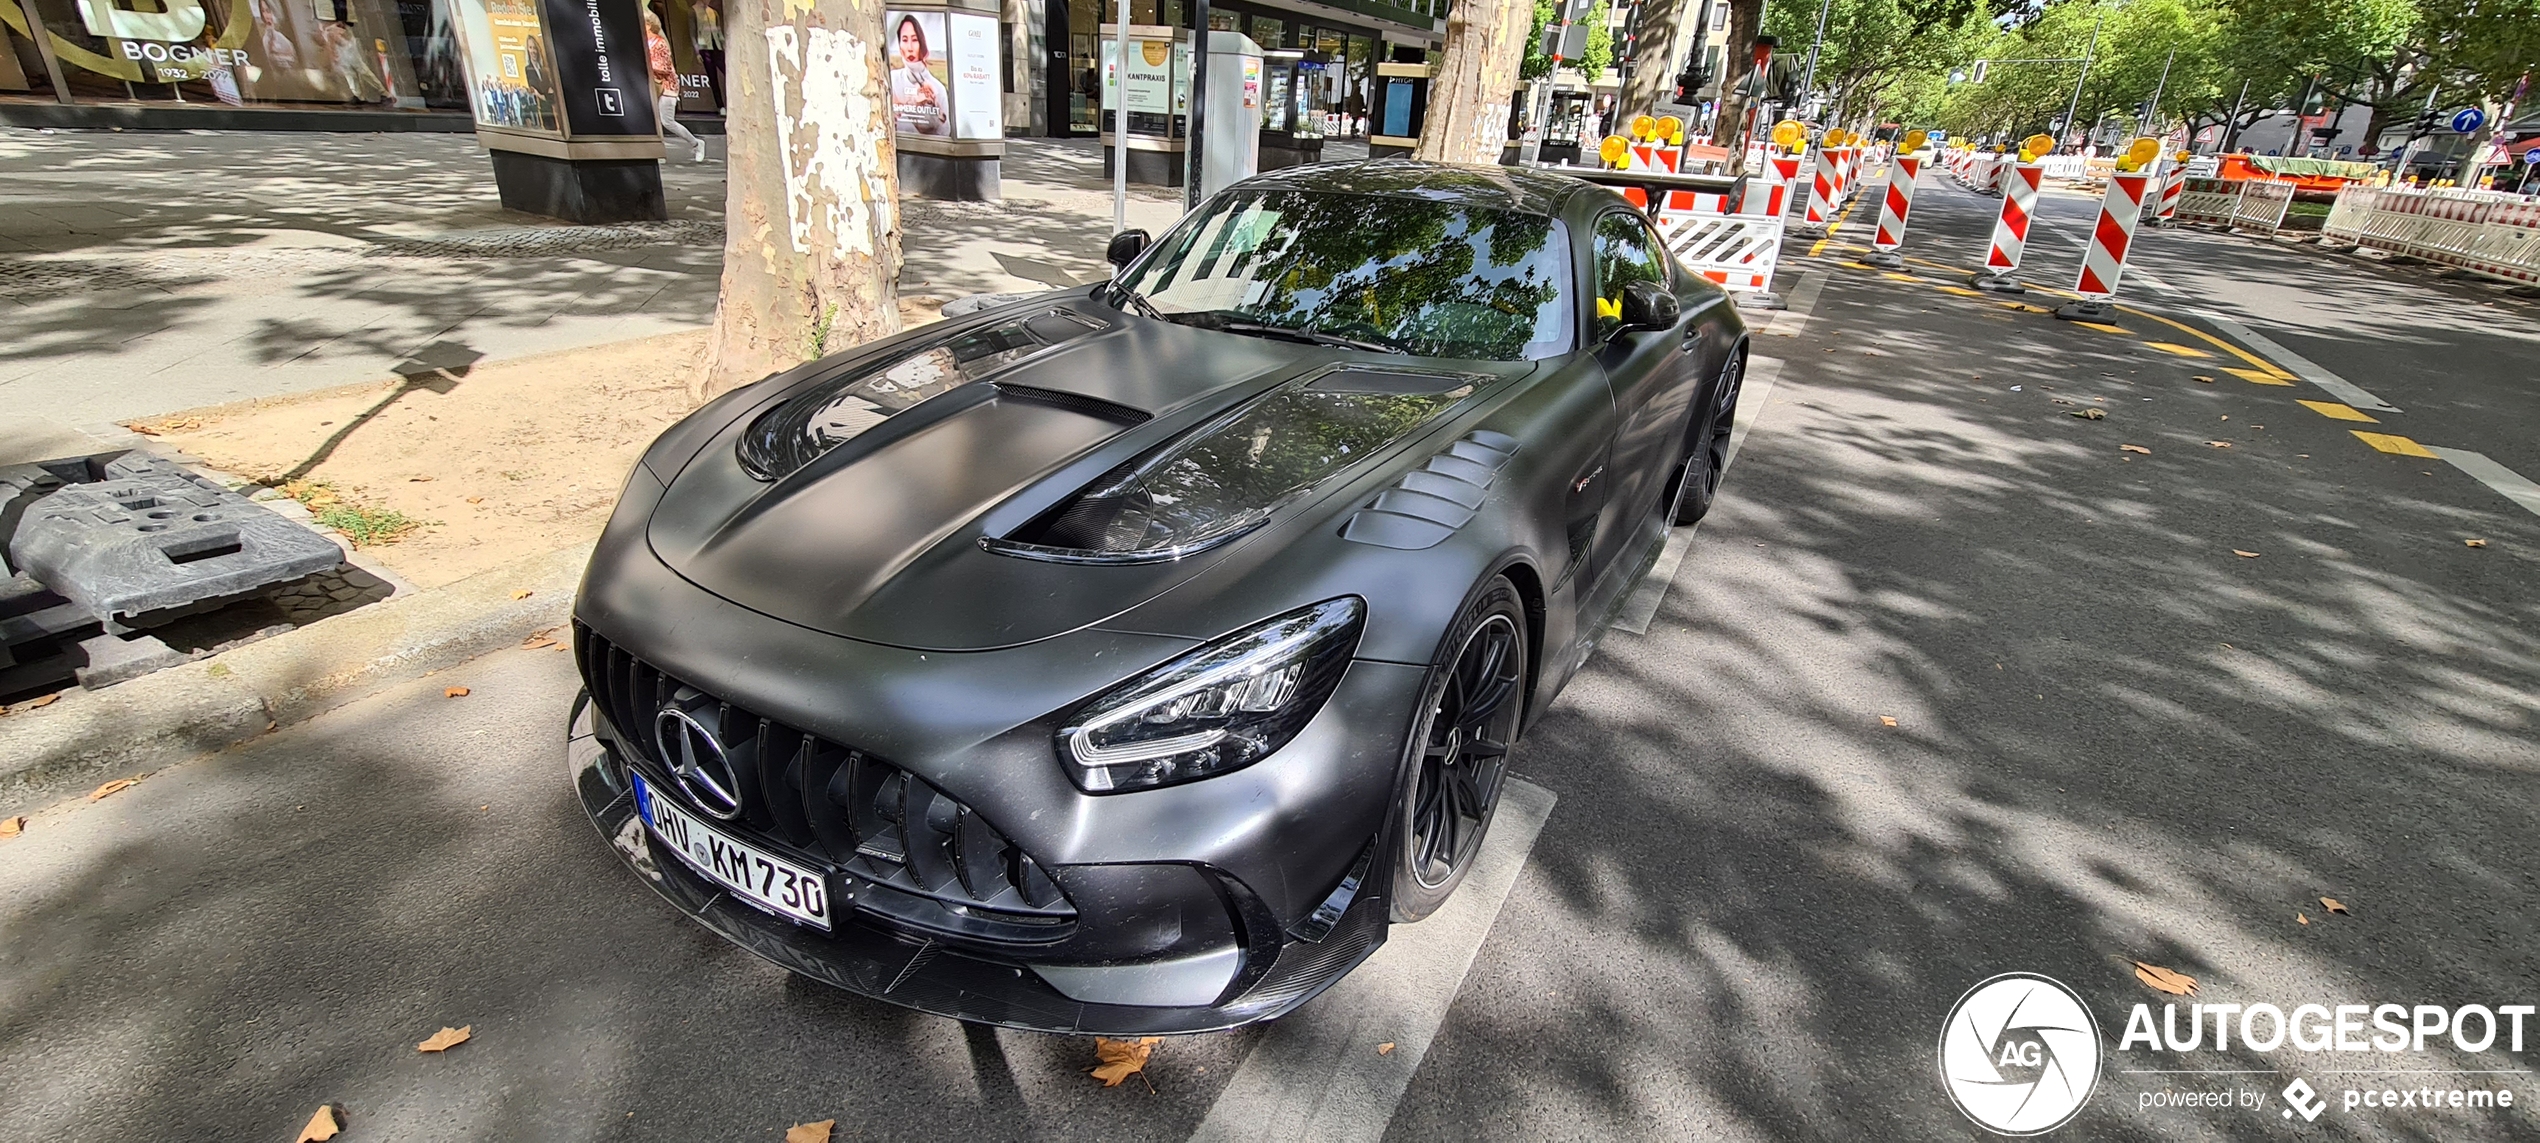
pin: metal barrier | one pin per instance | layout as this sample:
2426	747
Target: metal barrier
2484	232
1737	251
2211	201
2261	206
2346	216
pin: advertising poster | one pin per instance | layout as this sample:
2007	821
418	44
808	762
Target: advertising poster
978	104
242	50
920	66
601	79
1147	78
506	54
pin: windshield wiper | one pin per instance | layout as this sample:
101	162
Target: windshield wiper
1308	336
1137	301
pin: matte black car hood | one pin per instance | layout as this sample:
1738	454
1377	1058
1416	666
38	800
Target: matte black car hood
878	539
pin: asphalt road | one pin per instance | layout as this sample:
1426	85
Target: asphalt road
1753	901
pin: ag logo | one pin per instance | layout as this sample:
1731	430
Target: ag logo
2019	1054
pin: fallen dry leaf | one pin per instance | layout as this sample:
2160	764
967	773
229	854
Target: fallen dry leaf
2244	555
2219	444
47	700
2091	414
2204	378
2135	448
2333	905
12	826
418	480
523	594
140	428
1385	1049
322	1126
1887	720
445	1039
2164	980
810	1132
454	692
2301	918
2474	543
110	789
1122	1058
540	645
476	500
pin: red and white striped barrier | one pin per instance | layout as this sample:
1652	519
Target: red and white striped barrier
1785	170
2010	229
1894	207
1821	193
2120	209
1737	251
2173	184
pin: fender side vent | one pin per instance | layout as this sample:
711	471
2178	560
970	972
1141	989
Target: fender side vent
1429	503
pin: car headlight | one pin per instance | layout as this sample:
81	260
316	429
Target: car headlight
1222	707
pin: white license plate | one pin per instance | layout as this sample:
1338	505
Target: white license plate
769	883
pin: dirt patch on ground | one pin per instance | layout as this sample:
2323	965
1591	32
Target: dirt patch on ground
501	462
445	475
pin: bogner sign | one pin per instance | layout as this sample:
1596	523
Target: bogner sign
159	38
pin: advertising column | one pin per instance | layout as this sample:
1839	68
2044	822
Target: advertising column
947	106
564	104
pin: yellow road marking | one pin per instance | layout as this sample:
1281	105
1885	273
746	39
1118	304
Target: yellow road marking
1817	246
2181	350
1903	277
2256	377
2100	326
2394	445
1961	291
2217	342
2338	412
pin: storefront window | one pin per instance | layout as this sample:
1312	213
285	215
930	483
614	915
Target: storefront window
22	71
378	54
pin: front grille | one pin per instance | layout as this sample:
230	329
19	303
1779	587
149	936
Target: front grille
902	848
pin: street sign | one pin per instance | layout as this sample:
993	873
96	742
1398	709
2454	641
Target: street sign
2468	119
2532	156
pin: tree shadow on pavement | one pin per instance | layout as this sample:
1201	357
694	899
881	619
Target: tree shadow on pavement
2115	740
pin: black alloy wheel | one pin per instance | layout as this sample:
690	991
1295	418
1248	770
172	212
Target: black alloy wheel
1707	449
1458	749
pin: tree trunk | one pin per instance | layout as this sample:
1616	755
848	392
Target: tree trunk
811	249
1746	17
1654	56
1467	119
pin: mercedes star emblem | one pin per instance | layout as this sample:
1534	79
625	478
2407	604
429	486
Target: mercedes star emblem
696	759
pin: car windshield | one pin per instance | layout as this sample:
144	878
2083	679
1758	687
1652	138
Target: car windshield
1427	278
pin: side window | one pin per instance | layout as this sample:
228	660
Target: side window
1626	252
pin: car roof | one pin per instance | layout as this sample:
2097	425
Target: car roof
1497	188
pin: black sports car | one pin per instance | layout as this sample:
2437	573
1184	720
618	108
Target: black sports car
1126	659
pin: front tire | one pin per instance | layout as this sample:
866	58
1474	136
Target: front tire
1457	751
1697	481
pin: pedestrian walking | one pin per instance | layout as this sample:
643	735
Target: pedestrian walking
666	83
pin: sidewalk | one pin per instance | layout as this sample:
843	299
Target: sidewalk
143	274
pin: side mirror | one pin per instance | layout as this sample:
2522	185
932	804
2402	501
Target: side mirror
1125	248
1648	305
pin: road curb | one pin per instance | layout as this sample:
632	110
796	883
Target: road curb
214	703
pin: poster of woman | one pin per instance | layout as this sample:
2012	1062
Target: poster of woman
919	103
